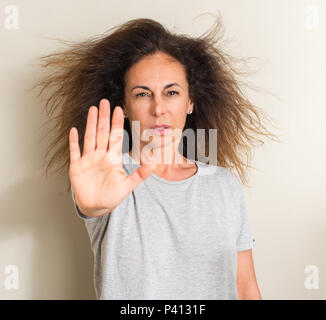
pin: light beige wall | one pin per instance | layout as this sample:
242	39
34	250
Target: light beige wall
39	231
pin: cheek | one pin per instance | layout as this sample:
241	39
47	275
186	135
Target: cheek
137	113
179	117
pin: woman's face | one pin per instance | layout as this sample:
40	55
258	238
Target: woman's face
156	92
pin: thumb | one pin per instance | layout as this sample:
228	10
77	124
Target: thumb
137	177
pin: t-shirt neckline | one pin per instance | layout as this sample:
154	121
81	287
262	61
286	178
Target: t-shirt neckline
156	177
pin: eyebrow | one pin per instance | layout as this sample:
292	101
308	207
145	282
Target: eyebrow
167	86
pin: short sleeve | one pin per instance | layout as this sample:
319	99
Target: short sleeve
79	213
244	238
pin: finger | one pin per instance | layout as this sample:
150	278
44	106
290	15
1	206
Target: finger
74	145
116	133
90	132
103	125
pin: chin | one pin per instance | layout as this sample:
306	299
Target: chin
162	143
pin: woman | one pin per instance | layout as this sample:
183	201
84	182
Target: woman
175	229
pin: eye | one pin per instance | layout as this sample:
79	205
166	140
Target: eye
140	94
174	92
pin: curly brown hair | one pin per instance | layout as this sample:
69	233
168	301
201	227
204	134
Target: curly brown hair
94	69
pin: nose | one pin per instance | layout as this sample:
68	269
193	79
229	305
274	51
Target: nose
158	107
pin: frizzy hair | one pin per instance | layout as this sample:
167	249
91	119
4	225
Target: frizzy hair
94	69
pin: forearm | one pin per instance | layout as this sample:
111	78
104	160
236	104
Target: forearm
249	291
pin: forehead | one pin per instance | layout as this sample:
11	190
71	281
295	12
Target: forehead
159	68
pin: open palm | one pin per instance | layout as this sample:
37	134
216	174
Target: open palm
97	177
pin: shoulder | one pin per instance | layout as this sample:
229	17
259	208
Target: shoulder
220	173
221	178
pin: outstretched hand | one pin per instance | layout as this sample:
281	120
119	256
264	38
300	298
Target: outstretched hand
97	177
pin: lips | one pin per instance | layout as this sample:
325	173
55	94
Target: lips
163	126
161	129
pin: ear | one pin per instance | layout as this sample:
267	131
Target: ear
124	112
191	105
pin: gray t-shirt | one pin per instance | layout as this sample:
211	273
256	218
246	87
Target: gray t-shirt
171	239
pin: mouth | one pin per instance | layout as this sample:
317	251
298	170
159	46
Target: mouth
161	129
